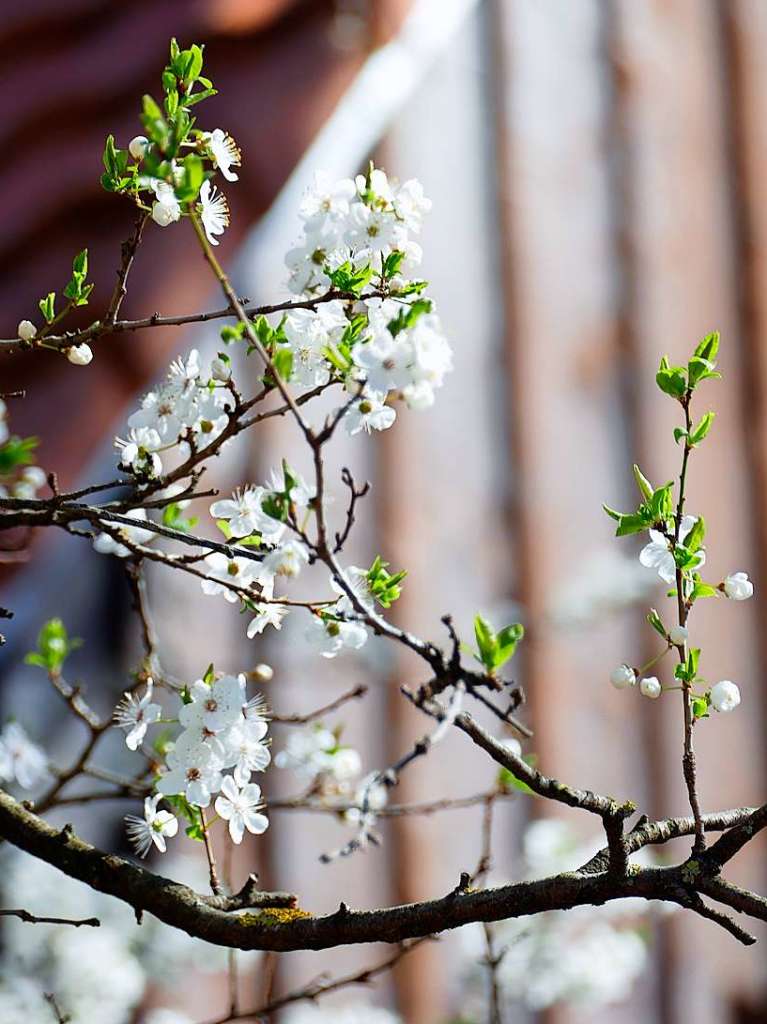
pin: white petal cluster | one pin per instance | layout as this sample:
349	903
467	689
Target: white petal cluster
316	755
738	587
21	760
135	715
659	556
222	731
152	829
352	1013
360	224
725	696
189	404
585	958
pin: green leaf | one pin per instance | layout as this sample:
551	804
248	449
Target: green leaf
700	707
631	524
709	347
702	429
679	433
485	638
383	585
671	379
47	307
656	622
617	516
694	538
194	175
644	485
54	645
17	451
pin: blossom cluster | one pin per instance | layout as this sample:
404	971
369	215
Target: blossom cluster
190	406
586	957
221	744
384	344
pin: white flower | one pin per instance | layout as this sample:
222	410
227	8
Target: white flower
385	360
623	676
309	333
195	771
139	451
357	581
650	687
329	635
270	614
215	211
241	809
301	493
302	749
26	330
372	229
658	555
240	572
152	828
220	369
346	764
411	203
20	758
678	635
287	559
263	672
246	516
244	749
725	696
738	587
166	208
31	480
369	413
224	151
326	199
80	355
138	146
215	706
105	544
135	715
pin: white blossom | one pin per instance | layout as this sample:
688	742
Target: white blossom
26	330
166	208
270	614
659	556
326	199
135	715
309	333
245	515
194	770
369	413
623	676
152	829
106	544
216	705
241	808
138	146
237	571
80	355
329	636
678	635
224	152
245	750
725	696
385	361
738	587
21	760
139	451
650	687
215	211
287	559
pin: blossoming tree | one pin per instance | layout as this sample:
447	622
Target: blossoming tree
362	329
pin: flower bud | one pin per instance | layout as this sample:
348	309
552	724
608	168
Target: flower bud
678	634
138	146
26	330
650	687
737	586
263	673
80	355
623	676
220	370
725	696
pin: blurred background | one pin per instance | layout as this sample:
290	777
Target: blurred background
597	170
